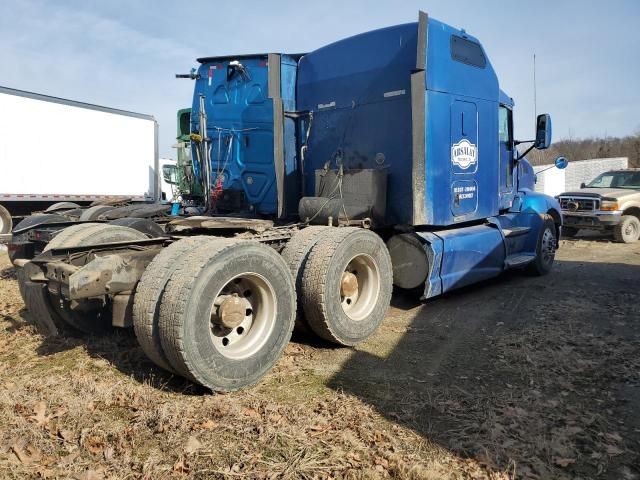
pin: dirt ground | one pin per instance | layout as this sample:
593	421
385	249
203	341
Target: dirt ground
515	378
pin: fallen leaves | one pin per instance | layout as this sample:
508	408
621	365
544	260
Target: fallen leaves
563	462
25	452
192	445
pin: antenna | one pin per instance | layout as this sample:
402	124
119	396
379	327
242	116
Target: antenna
535	98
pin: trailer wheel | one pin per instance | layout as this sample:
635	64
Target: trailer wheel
91	315
295	254
18	251
545	249
569	232
227	313
62	238
6	223
144	225
39	219
628	230
56	207
347	285
152	285
92	213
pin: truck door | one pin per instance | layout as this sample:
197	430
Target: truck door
506	151
464	159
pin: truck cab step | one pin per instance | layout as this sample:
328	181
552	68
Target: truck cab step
519	259
515	231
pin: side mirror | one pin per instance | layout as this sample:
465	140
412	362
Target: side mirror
543	131
561	163
170	174
583	185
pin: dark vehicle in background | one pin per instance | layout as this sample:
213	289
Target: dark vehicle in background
610	203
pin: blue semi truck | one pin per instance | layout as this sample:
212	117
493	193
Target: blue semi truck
315	182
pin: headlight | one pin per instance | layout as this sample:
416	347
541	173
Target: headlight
609	205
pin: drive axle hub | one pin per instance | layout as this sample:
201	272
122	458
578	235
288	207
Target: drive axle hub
232	311
349	285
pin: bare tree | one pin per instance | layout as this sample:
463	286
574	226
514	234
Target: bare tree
586	148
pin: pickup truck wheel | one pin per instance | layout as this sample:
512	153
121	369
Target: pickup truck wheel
569	232
347	285
227	313
295	254
91	315
545	249
6	223
628	230
152	285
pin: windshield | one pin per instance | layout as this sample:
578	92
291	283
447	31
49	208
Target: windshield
616	180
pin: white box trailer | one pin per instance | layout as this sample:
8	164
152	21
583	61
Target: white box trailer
54	150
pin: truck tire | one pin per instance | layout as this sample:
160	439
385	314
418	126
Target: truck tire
92	213
88	316
295	254
6	223
227	313
347	285
39	219
62	237
569	232
56	207
144	225
146	306
30	221
628	230
545	249
40	312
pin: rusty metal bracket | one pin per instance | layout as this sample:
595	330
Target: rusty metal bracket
109	274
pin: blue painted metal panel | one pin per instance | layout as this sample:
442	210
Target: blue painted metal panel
471	254
462	256
444	74
240	121
359	92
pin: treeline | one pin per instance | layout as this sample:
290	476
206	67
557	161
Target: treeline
587	148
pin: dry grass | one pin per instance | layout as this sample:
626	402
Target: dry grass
542	400
95	408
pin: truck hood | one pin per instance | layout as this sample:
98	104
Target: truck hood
602	192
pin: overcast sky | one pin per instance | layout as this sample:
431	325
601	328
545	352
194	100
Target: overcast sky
124	54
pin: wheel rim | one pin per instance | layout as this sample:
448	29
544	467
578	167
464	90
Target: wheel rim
243	315
548	247
360	287
632	230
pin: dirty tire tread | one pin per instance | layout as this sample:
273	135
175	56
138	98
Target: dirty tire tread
148	295
296	253
174	314
315	276
6	222
39	310
314	281
86	234
174	304
618	230
63	237
536	268
92	213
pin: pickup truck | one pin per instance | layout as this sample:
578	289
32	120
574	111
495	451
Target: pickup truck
610	203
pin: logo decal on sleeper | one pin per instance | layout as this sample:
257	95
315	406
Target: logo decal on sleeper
464	154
